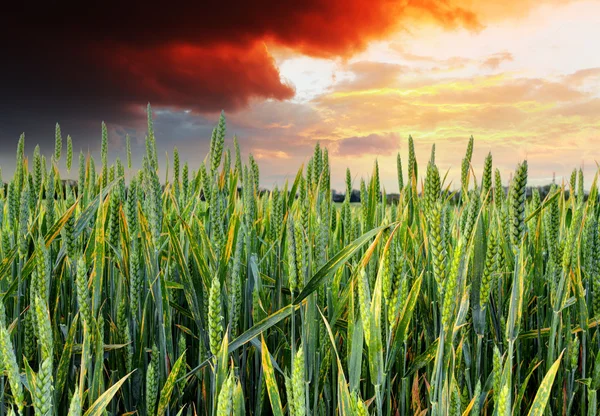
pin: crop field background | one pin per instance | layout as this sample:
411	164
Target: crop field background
188	290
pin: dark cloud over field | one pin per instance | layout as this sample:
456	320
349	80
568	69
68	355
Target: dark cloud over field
79	63
357	76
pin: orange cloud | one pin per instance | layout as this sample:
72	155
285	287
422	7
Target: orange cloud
373	144
270	154
369	75
455	61
325	28
503	112
489	11
582	76
494	61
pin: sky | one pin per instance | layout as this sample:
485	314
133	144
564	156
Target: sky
521	77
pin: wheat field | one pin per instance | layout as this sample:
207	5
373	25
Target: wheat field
201	294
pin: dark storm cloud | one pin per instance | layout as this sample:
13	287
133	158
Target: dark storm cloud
82	62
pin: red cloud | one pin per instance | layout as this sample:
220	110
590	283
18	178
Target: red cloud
314	27
201	56
341	27
197	77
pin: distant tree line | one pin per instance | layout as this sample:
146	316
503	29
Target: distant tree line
394	197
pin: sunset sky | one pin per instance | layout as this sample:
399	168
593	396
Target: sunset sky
522	77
